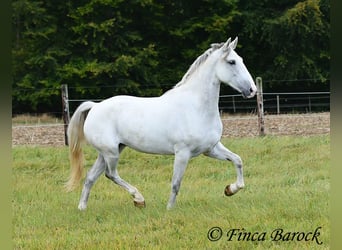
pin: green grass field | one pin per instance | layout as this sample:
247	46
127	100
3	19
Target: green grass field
287	187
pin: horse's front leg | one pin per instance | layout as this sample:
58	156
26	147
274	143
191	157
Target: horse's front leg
222	153
180	163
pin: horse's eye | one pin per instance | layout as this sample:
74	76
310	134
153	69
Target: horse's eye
231	62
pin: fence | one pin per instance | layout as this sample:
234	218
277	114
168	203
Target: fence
277	103
274	103
295	102
270	103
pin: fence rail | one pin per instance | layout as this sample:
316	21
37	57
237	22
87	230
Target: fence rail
286	102
274	103
277	103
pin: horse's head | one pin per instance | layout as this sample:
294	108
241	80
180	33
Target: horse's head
231	70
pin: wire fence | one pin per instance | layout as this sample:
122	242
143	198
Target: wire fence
278	103
274	103
236	125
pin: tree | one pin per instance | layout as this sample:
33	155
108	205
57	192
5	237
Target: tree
102	48
188	28
109	49
290	40
37	52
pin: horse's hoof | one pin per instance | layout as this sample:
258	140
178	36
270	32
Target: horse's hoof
140	204
228	191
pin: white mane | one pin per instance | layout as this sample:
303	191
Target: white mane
202	58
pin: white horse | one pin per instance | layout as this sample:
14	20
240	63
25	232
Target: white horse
184	121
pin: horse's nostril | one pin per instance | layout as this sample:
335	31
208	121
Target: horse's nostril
251	90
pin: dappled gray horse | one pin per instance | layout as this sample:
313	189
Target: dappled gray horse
185	122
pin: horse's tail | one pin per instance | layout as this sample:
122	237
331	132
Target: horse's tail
75	140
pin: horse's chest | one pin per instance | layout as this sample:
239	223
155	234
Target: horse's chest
209	128
205	135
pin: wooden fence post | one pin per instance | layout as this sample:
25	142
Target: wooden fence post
260	102
234	108
66	113
278	105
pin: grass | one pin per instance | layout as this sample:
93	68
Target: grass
287	186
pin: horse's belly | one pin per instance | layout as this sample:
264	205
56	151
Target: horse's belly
148	139
164	139
150	148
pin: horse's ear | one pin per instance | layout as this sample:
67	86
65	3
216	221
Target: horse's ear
234	43
226	45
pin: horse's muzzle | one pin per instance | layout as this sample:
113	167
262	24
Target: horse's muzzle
249	93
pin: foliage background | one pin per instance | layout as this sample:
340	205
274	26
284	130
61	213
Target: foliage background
102	48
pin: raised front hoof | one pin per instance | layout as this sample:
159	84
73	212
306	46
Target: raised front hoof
228	191
140	204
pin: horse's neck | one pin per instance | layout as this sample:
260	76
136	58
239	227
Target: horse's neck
203	89
205	84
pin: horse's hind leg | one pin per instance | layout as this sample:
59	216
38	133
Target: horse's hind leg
112	174
222	153
92	175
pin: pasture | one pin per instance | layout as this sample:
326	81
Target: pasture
287	187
